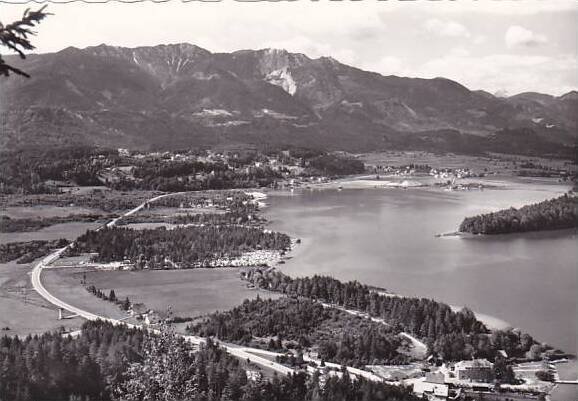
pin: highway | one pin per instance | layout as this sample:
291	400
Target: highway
36	275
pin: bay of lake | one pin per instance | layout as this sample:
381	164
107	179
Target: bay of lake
386	238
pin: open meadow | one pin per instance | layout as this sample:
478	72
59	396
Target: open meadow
68	231
22	310
189	293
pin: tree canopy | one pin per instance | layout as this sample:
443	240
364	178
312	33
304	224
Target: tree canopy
550	214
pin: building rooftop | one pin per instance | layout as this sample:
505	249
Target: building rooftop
476	363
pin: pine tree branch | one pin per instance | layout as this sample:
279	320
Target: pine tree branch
15	36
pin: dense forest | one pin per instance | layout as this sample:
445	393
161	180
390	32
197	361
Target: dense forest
337	336
460	346
420	316
26	171
550	214
109	362
181	247
448	334
333	165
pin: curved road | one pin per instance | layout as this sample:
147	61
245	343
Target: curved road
239	352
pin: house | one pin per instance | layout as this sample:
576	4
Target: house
254	375
138	309
430	390
477	370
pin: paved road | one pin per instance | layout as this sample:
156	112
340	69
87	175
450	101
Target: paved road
239	352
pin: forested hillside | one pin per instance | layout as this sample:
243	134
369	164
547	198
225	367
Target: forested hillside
180	95
336	335
107	363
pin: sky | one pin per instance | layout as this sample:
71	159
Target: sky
502	46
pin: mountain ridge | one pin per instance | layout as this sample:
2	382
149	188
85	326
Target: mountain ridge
184	95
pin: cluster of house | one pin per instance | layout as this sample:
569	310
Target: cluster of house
448	382
284	164
415	169
451	173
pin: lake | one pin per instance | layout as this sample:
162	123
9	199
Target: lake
386	237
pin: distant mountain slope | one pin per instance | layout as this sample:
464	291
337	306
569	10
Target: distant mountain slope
182	95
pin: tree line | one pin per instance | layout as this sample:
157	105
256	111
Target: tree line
557	213
124	305
113	363
333	165
419	316
182	247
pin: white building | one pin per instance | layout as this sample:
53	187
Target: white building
432	391
477	370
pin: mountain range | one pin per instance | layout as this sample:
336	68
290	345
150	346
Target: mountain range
172	96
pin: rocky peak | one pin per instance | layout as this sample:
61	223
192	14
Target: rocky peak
572	95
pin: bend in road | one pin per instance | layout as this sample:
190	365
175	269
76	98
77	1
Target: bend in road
239	352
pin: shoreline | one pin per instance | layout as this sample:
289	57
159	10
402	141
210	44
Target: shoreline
427	182
493	323
361	182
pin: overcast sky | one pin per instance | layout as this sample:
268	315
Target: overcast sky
504	47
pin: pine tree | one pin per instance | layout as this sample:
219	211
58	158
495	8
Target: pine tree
15	36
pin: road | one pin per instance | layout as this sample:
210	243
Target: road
239	352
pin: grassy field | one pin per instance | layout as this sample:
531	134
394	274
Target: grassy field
66	230
22	309
500	164
189	293
65	284
26	212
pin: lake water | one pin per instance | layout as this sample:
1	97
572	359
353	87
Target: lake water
386	237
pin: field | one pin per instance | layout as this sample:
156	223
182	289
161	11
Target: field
25	212
500	164
189	293
65	284
22	310
66	230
